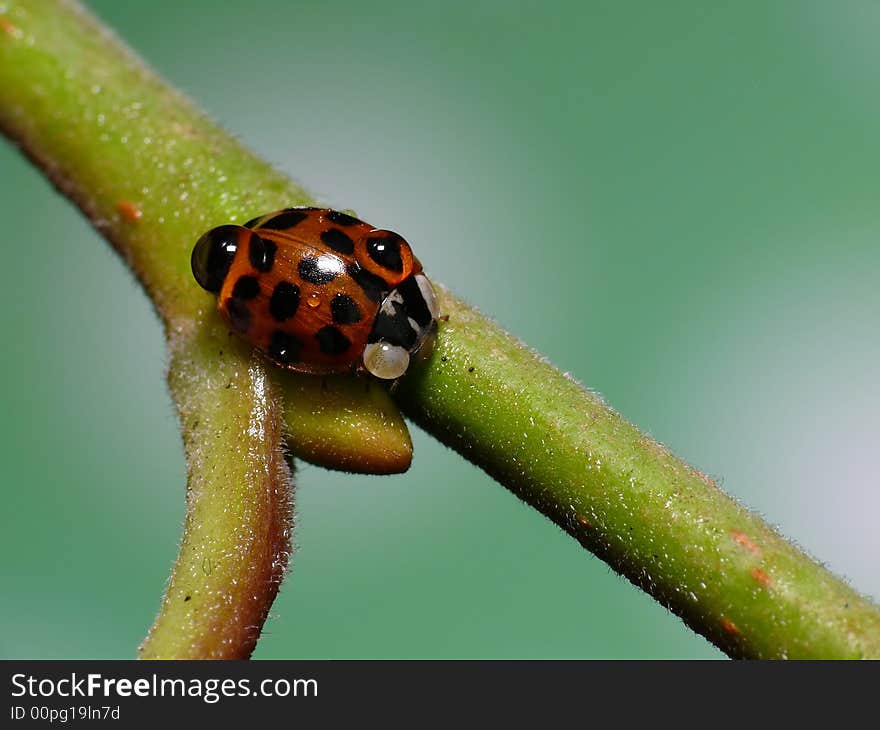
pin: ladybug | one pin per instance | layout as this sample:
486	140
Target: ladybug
319	291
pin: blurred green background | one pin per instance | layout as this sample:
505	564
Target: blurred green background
676	202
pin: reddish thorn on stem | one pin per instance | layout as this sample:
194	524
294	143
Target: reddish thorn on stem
761	577
740	538
129	211
8	27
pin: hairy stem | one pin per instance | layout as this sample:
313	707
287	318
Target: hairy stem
152	173
237	535
662	524
118	141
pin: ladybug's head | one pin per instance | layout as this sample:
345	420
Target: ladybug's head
212	256
406	324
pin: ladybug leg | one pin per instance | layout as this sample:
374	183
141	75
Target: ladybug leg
360	369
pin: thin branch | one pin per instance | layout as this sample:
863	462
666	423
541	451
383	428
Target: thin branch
236	539
665	526
152	173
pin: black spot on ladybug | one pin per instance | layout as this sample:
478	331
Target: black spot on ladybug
286	219
385	251
261	253
247	287
284	347
344	309
319	269
338	241
332	341
374	286
239	314
341	219
284	301
304	212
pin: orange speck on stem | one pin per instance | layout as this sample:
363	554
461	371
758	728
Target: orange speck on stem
761	576
129	211
8	27
584	522
742	539
729	626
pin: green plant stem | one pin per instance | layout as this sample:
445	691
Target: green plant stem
85	111
152	174
665	526
237	534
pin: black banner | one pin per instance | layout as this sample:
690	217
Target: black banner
412	693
